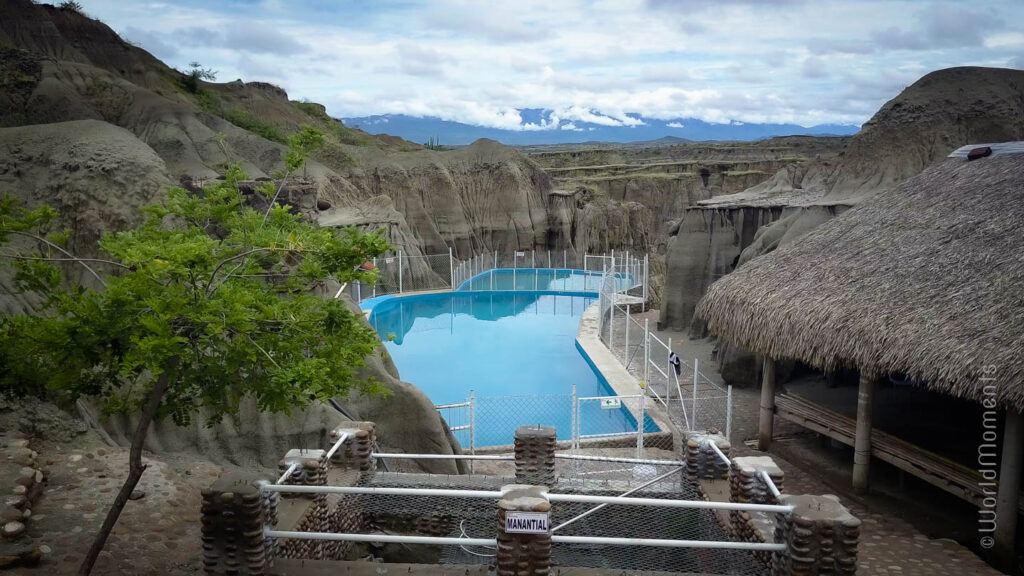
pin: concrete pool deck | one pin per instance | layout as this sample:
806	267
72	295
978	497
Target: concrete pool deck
588	336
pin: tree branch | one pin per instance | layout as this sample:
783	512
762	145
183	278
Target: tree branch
62	251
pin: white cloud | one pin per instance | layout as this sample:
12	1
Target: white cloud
584	61
675	125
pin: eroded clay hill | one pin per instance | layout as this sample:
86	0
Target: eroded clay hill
940	112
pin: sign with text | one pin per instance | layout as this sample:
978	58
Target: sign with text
526	522
611	404
389	260
520	254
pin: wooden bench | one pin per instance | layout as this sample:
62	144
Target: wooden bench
950	476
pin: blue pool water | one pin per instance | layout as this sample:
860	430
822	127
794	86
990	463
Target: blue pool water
540	279
510	348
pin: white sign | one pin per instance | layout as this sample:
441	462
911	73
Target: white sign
518	254
389	260
526	522
610	404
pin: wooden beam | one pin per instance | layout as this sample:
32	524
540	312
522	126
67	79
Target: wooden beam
862	441
1009	490
766	418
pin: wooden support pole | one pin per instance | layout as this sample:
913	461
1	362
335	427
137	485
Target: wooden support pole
1010	465
862	441
766	420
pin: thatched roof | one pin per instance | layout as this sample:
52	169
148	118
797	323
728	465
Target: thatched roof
926	281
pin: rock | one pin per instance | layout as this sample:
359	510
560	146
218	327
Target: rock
13	529
10	514
28	557
137	495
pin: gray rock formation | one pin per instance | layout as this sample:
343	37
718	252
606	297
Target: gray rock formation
406	422
937	114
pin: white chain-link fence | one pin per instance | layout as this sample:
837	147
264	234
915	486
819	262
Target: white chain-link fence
539	270
692	400
488	423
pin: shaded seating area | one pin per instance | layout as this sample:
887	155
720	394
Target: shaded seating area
920	285
953	477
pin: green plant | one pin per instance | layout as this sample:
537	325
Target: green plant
433	144
70	5
191	77
205	303
250	122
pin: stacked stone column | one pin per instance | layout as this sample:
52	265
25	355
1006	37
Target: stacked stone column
522	554
821	536
233	516
701	460
356	453
310	470
747	486
535	455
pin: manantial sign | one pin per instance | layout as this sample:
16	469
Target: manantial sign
526	522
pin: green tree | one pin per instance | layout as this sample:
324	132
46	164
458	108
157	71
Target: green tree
195	73
205	303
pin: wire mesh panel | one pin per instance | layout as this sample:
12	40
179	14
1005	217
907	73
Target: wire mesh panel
464	517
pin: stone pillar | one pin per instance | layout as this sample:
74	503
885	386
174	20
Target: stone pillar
311	470
766	419
233	516
862	442
1010	464
356	452
535	455
524	553
701	460
747	486
821	536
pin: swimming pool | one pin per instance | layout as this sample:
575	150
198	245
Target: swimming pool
515	349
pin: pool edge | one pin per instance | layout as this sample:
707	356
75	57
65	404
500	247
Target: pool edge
610	371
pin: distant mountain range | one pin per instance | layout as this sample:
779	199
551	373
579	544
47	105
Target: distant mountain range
450	133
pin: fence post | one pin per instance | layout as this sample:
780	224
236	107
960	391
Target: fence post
640	424
647	357
359	291
549	258
451	267
728	414
534	448
472	427
233	517
625	352
523	554
611	326
574	443
374	288
565	258
645	276
399	271
696	372
533	258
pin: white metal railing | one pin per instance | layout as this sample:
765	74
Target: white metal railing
601	502
552	497
401	273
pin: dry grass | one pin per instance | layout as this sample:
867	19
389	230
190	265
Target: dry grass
925	281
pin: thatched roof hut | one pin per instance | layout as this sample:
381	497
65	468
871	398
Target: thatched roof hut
926	281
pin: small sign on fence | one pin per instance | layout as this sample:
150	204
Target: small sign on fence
526	522
520	254
389	260
611	403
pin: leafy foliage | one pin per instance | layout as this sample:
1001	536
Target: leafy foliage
207	290
70	5
250	122
191	77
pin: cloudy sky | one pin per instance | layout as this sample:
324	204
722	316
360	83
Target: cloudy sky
786	61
